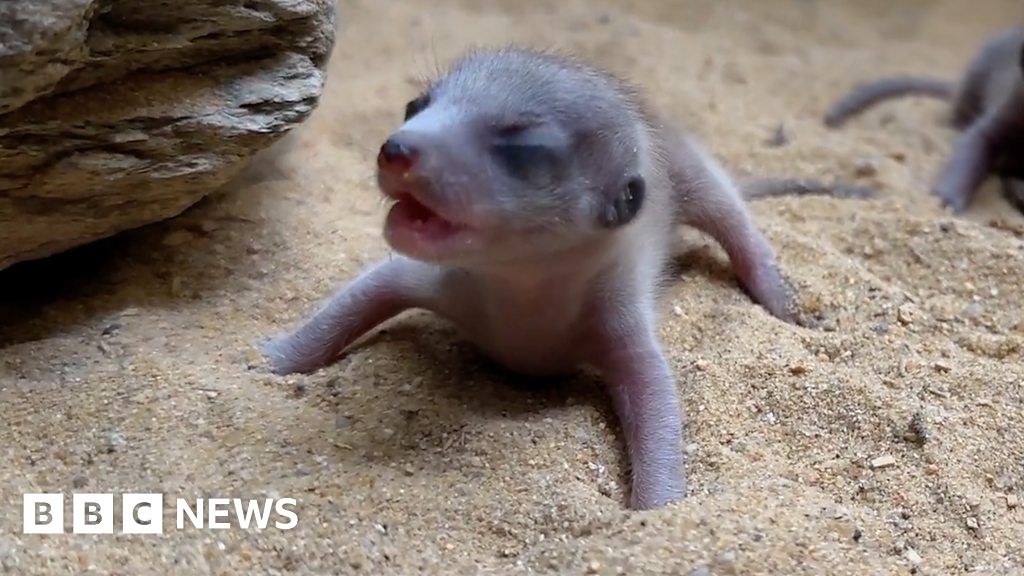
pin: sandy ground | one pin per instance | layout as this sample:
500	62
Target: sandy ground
130	366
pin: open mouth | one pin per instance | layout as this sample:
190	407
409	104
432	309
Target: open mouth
415	228
410	212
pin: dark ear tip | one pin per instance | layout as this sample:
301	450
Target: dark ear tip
626	204
636	188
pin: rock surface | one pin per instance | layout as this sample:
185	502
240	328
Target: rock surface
115	113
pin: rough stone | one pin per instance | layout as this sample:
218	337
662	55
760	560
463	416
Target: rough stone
119	113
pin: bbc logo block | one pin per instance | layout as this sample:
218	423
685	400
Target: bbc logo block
93	513
142	514
43	513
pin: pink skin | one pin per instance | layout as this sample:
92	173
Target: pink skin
542	298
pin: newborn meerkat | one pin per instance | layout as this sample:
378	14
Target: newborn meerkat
535	206
988	106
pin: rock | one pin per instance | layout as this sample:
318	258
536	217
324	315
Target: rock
115	441
779	137
885	461
8	556
972	523
917	429
115	114
865	168
906	313
798	369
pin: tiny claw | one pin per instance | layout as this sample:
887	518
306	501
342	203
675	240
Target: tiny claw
286	357
271	348
771	290
953	200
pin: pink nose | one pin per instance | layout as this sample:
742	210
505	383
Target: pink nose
397	156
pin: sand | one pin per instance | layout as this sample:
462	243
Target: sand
884	442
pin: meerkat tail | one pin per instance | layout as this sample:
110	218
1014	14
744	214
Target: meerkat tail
866	95
775	187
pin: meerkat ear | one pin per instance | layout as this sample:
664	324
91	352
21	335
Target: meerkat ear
625	205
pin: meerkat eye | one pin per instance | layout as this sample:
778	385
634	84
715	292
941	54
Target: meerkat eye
416	106
524	160
529	151
512	129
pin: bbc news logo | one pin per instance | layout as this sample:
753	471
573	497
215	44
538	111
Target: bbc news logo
144	513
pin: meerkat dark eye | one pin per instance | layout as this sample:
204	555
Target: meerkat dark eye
525	160
416	106
529	151
513	129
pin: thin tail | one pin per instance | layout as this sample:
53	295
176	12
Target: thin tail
867	95
775	187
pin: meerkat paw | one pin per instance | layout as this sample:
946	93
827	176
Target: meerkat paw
287	354
953	198
769	288
651	495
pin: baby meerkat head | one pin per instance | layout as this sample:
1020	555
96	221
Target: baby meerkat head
512	154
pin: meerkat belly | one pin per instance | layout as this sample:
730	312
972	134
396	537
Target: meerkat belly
534	338
531	347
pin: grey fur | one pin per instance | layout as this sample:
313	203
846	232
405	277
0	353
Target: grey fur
538	156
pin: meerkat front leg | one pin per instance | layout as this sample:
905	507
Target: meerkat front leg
646	401
967	167
976	149
709	201
376	295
